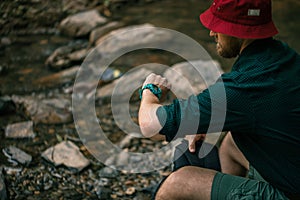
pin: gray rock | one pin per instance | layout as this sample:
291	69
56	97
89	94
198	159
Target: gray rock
13	170
81	24
102	30
108	172
65	56
60	78
3	192
140	35
20	130
68	154
192	78
16	154
45	111
130	162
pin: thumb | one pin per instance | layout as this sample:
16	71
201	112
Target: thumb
192	146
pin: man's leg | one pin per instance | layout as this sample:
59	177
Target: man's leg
232	160
187	183
198	183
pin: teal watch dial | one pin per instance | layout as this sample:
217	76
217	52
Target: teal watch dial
153	88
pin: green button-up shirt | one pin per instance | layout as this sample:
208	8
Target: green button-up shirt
262	111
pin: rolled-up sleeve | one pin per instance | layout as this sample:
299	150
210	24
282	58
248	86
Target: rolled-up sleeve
221	107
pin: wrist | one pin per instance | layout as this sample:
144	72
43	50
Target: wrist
149	97
154	89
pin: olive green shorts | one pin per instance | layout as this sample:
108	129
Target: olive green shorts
229	187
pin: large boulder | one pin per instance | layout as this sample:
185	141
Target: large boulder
81	24
102	30
132	36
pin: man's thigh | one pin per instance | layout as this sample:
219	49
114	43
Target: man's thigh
229	187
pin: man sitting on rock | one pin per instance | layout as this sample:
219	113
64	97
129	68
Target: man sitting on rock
259	157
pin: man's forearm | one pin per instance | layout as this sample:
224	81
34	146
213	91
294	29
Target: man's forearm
148	121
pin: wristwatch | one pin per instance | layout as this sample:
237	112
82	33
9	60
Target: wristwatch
153	88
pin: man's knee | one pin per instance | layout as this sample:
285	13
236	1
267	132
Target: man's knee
184	183
175	180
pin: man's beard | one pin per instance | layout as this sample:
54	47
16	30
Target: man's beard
231	50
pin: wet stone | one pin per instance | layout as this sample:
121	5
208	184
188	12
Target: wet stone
81	23
132	36
20	130
16	154
68	154
66	56
46	111
102	30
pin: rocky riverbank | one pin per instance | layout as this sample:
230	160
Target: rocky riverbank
45	152
42	155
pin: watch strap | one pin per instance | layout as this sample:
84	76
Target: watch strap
153	88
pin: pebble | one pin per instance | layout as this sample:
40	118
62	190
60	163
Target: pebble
5	41
130	191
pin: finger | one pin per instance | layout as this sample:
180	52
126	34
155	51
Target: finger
191	140
192	146
163	81
150	79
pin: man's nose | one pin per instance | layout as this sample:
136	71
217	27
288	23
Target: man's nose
212	34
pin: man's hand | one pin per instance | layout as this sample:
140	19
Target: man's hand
159	81
192	139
